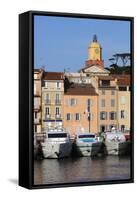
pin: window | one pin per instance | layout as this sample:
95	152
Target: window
35	128
122	100
35	115
57	96
112	115
102	102
68	116
57	111
47	98
103	92
103	115
105	82
122	114
102	128
122	127
47	111
36	103
55	135
57	101
88	105
77	116
46	84
113	92
72	102
58	85
112	102
122	88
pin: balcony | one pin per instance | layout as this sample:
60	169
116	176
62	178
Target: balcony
47	101
47	116
57	102
37	121
58	116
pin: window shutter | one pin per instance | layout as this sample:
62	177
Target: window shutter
106	115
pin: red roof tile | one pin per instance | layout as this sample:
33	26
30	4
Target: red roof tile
81	89
53	76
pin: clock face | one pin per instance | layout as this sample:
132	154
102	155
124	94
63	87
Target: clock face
96	51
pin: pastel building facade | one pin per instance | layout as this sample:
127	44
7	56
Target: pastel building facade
80	100
124	102
91	99
38	73
52	99
107	107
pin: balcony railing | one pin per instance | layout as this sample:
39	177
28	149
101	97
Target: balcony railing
37	121
47	116
58	116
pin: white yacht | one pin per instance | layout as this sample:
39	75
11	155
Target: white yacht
87	144
57	144
116	143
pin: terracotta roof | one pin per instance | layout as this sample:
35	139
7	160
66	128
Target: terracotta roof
106	77
81	89
53	76
124	81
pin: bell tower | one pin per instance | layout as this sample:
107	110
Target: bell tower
95	53
94	50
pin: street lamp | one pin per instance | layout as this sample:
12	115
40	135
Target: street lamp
89	117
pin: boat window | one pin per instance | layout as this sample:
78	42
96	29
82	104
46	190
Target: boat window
57	135
86	136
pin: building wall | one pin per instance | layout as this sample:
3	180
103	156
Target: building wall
74	125
124	105
52	104
37	102
94	52
107	95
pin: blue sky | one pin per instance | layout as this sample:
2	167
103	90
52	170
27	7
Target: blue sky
62	43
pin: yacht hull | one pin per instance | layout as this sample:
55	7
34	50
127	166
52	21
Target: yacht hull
117	148
56	150
85	149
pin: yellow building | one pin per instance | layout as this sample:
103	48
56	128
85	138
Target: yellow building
94	65
107	104
52	99
124	102
37	102
80	100
94	50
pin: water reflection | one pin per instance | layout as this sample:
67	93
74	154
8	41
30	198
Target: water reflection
81	169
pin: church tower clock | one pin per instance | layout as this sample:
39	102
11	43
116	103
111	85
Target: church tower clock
94	50
95	53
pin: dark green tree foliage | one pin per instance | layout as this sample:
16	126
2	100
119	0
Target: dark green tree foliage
115	68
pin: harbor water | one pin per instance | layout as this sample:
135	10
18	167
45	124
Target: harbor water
81	169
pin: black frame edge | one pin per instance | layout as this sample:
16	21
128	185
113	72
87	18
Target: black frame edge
24	101
26	95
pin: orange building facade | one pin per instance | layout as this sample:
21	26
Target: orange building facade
80	101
